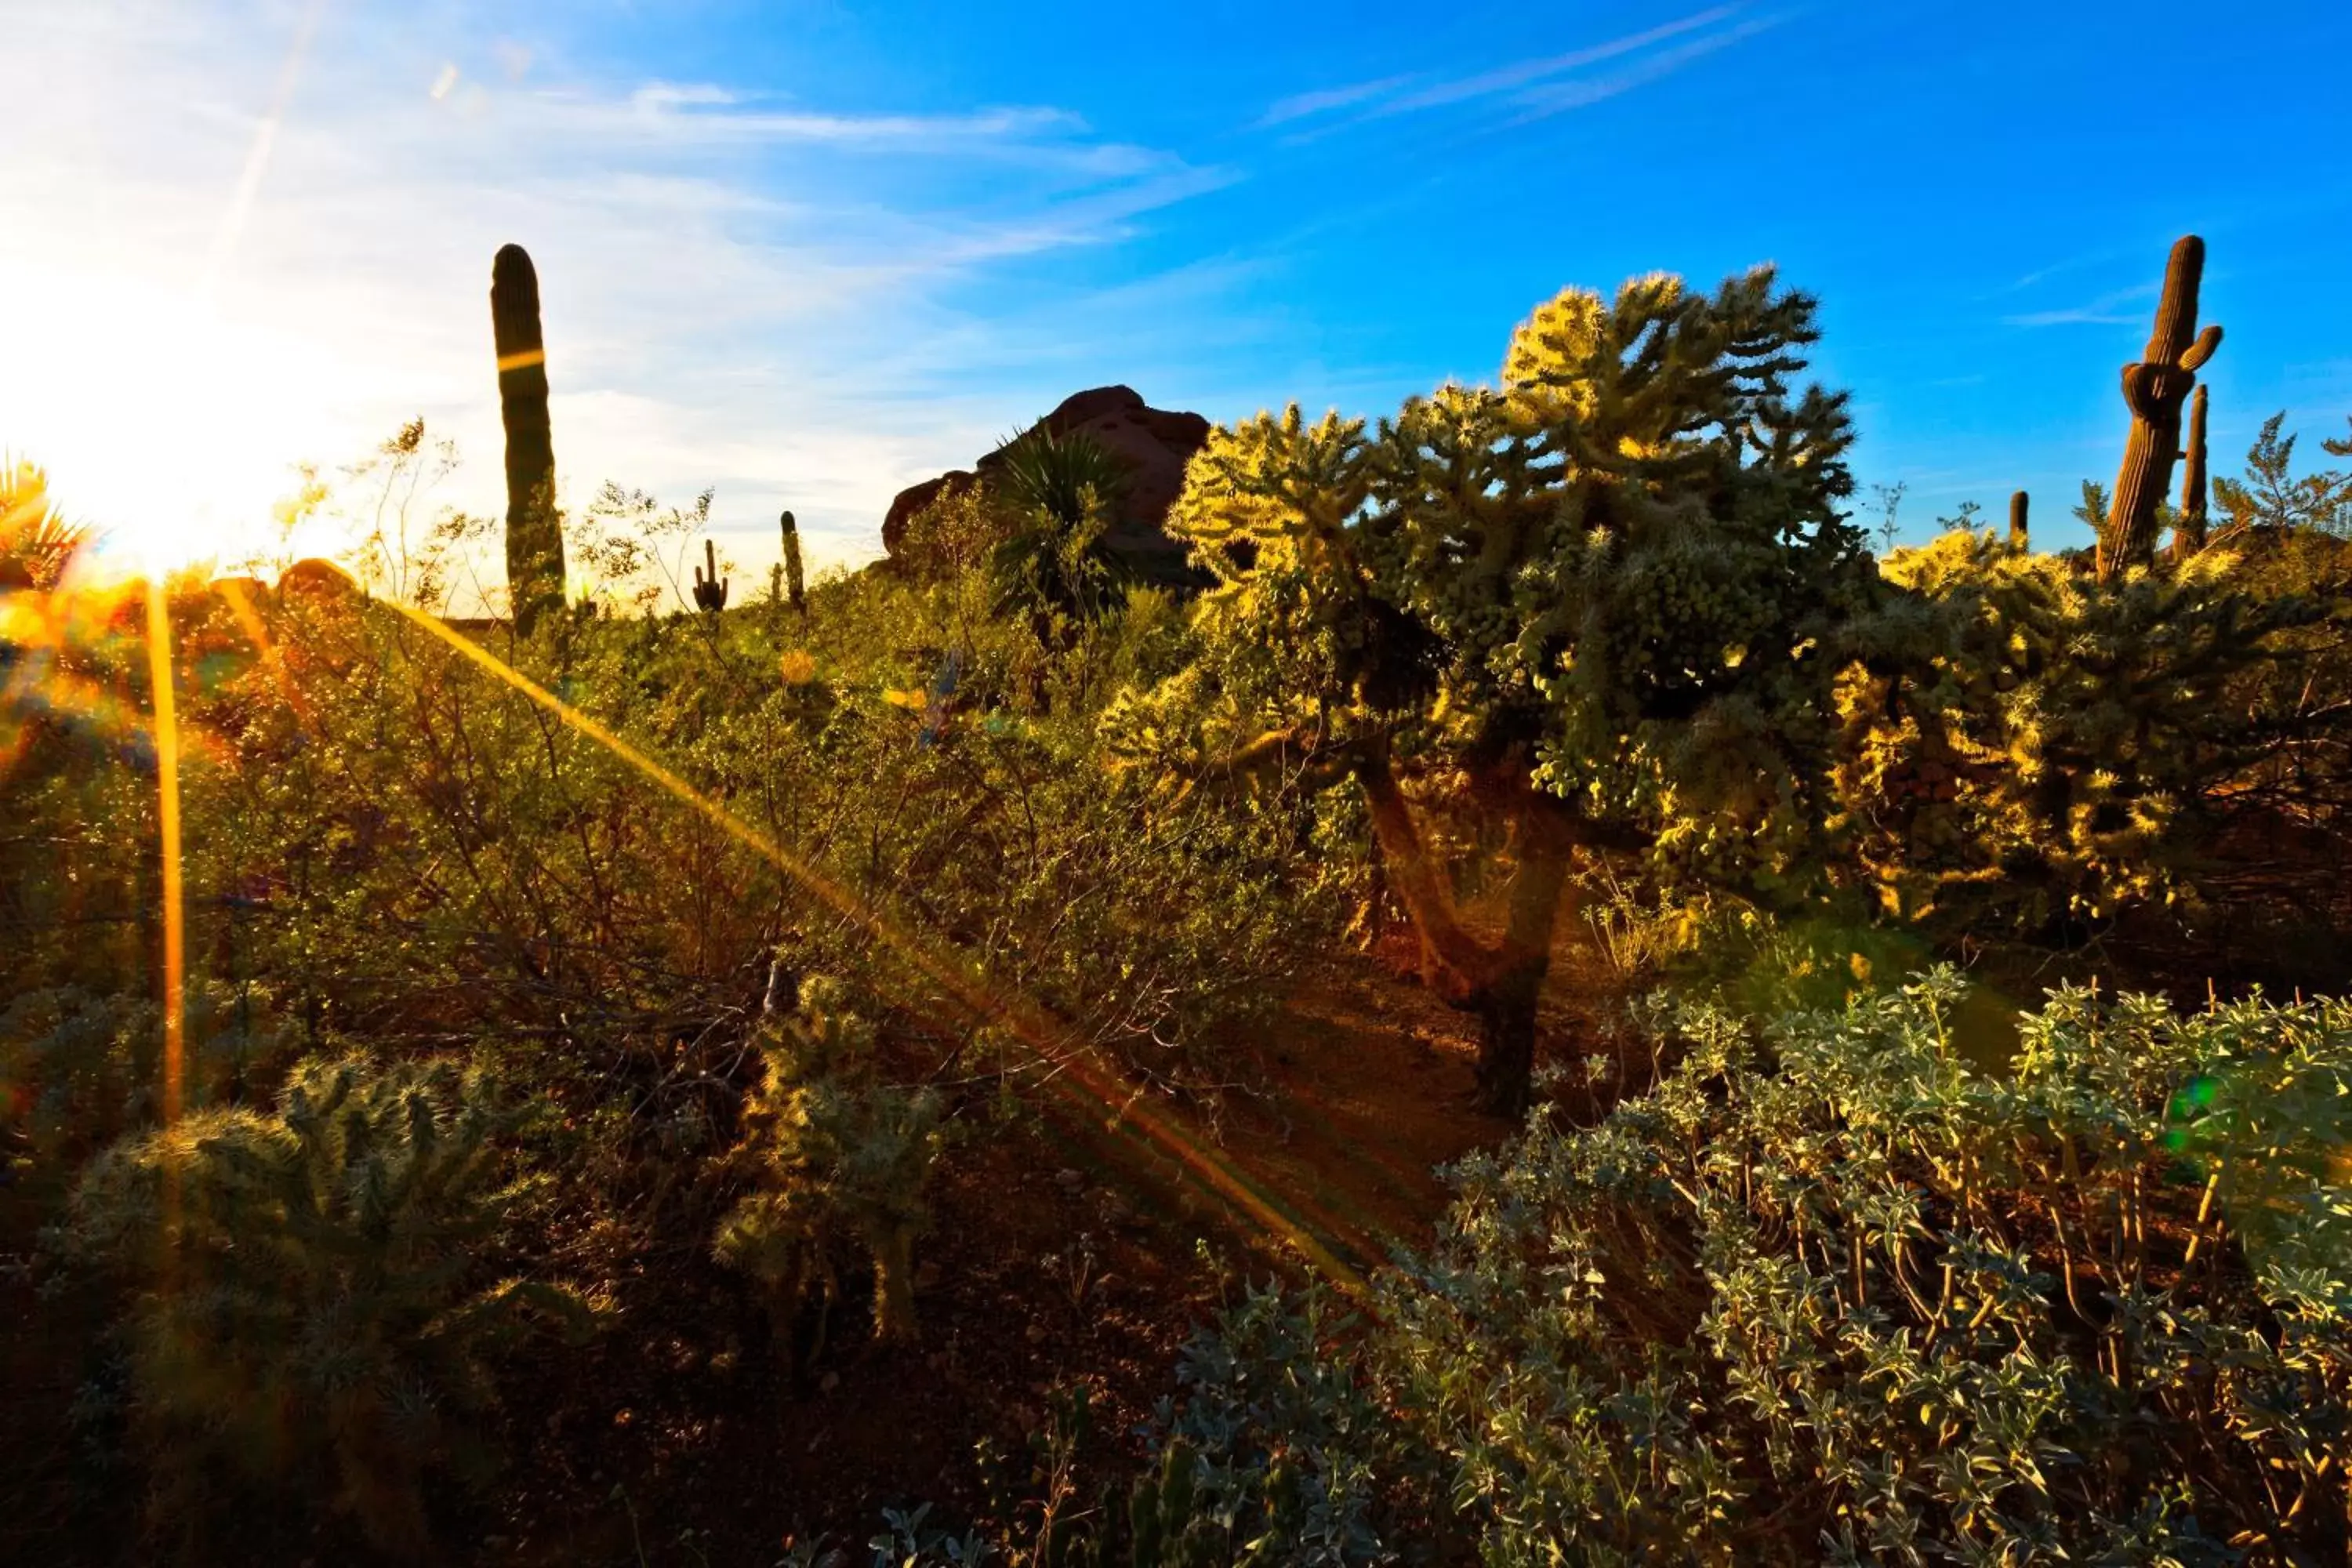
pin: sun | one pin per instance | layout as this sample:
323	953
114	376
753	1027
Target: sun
167	427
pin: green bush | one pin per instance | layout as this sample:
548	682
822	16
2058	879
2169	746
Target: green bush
305	1305
1827	1292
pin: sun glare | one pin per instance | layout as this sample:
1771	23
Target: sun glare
164	424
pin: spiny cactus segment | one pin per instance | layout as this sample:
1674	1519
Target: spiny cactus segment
2154	389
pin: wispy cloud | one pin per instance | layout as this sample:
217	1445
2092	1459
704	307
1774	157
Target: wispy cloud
2105	310
1300	105
1521	73
1533	86
702	112
1559	98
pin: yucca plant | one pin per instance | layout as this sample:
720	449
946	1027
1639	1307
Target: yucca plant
37	542
1056	563
306	1300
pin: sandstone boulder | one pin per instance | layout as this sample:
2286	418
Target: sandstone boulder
1155	444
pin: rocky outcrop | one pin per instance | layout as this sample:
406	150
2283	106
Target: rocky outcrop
1155	444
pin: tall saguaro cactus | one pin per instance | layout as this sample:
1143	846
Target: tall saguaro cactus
534	533
792	584
2154	389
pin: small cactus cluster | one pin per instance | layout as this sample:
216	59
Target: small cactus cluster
2155	387
710	587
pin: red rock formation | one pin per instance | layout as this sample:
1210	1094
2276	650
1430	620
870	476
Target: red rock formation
1155	443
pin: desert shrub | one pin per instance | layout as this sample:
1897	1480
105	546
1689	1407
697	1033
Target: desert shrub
1827	1292
833	1157
306	1304
1308	1496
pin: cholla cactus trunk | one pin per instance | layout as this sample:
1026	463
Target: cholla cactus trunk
534	533
792	583
2189	533
2154	389
2020	537
893	1285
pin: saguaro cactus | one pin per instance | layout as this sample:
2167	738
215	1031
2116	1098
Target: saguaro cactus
2189	531
534	533
710	588
792	584
2154	389
2020	537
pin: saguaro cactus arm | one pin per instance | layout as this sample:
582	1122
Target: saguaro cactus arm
534	533
2154	389
2189	532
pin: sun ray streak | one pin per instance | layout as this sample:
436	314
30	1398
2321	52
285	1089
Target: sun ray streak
1076	1081
167	720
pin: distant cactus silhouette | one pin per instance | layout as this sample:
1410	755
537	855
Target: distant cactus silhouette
534	533
710	587
2153	388
2188	531
2019	536
792	584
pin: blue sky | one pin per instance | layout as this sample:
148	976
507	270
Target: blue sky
810	253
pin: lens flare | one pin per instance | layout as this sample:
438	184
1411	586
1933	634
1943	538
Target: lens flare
1070	1076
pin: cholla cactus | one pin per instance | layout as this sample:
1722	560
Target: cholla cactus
1593	607
710	587
308	1294
833	1156
2155	387
2023	741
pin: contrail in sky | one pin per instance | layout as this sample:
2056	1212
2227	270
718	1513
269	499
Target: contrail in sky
257	158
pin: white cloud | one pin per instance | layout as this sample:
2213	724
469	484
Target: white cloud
739	289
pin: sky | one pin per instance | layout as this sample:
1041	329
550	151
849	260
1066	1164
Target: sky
810	253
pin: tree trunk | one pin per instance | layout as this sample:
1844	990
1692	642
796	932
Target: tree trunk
1498	986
